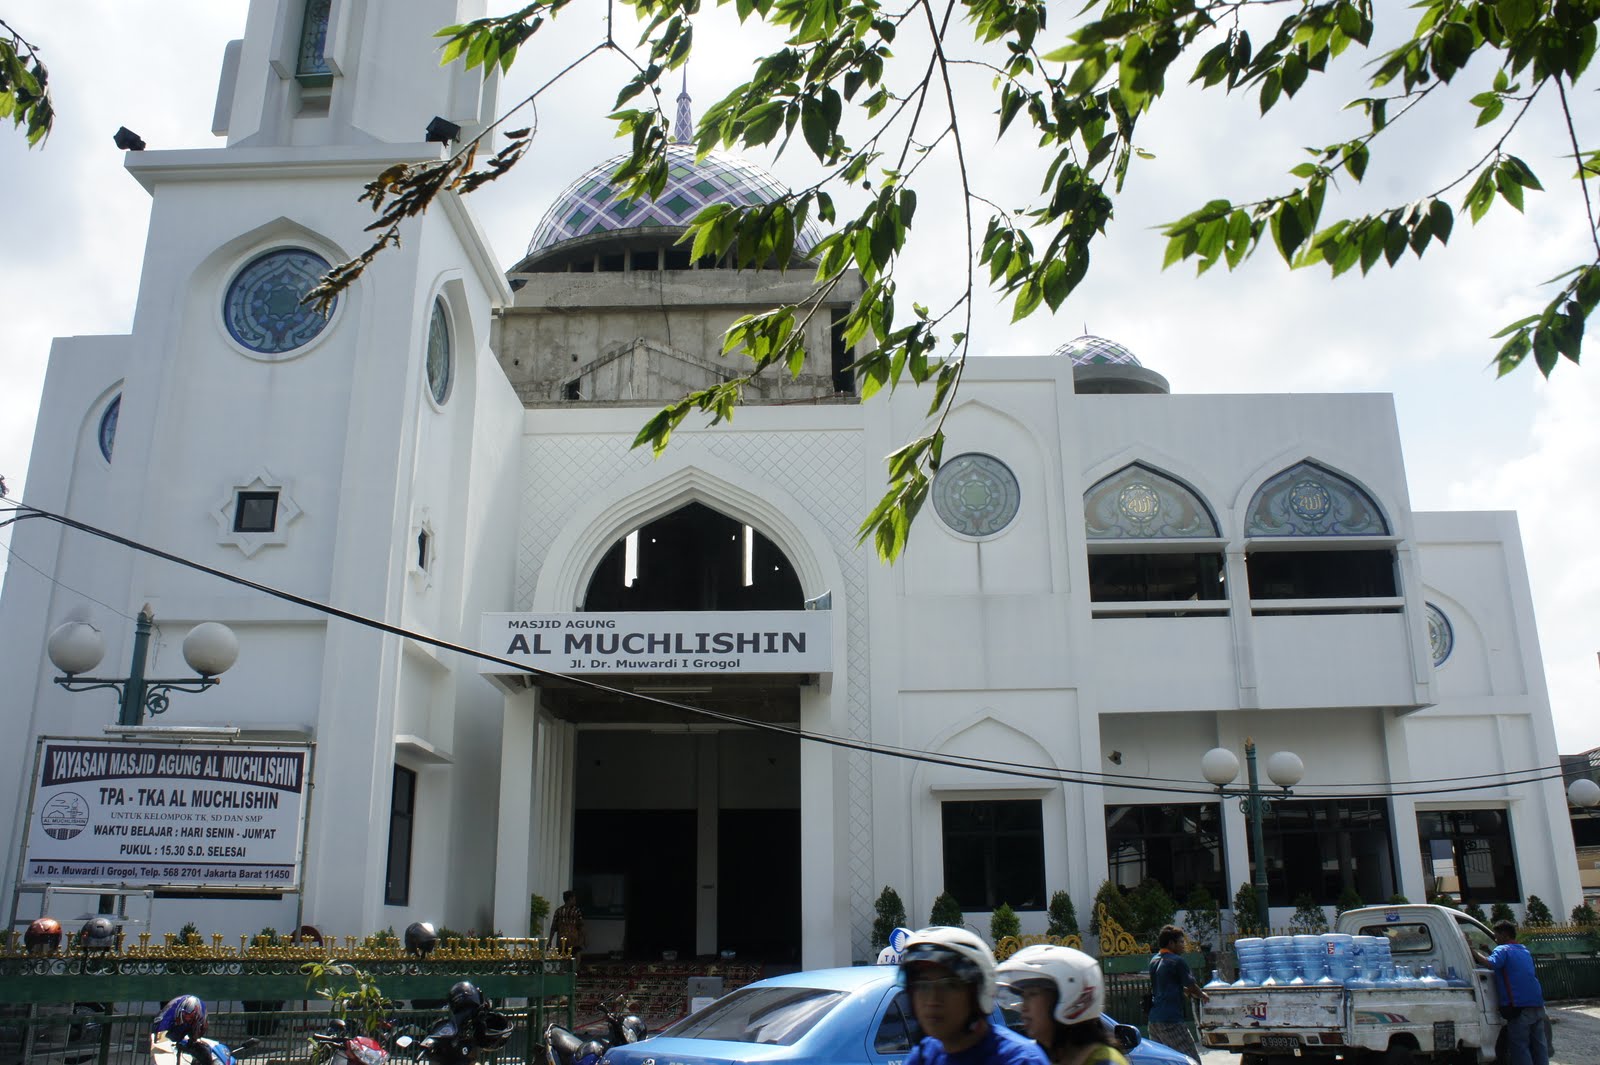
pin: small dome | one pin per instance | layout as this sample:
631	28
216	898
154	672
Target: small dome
1090	350
593	205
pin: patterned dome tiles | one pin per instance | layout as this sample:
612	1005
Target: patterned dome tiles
1090	350
592	204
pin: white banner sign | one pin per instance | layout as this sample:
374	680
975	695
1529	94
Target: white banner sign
167	814
743	641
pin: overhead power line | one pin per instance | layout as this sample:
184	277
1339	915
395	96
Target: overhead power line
1198	790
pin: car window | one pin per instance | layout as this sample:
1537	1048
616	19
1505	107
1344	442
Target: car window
779	1016
1477	938
1403	938
898	1031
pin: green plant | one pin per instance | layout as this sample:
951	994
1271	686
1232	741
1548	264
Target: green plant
1474	911
1585	916
1501	911
946	911
384	940
1398	899
538	910
1309	917
891	915
1063	916
1349	899
1202	919
1116	905
362	1005
188	931
1536	914
447	934
267	937
1244	911
1153	909
1003	922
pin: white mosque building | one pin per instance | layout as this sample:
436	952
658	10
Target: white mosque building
1109	581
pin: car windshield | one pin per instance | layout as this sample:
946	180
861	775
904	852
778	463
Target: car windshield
779	1016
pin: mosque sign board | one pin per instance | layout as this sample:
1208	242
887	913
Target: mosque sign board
706	641
167	814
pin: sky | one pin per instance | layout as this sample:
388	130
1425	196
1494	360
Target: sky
75	224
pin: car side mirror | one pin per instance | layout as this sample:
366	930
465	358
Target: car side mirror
1126	1035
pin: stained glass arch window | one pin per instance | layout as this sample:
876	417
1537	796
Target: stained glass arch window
1441	635
1137	503
1308	499
108	426
262	308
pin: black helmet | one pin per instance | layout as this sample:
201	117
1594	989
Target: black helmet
420	938
42	935
494	1030
98	933
465	998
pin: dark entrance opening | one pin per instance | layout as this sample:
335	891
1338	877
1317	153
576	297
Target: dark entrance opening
694	559
649	855
758	884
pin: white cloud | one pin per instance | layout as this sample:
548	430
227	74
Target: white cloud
76	221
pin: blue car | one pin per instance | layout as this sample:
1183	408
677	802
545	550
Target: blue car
855	1016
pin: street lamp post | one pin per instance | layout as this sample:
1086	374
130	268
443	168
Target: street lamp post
77	647
1221	768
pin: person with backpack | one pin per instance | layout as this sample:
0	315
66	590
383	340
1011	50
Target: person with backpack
1171	980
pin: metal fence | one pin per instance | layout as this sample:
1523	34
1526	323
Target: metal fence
96	1010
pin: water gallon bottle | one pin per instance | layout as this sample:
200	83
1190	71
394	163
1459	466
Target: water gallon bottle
1336	945
1431	979
1455	979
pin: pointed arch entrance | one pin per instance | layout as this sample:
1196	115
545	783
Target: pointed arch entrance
670	808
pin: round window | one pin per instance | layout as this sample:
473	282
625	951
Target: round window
440	366
975	494
108	426
1441	635
262	309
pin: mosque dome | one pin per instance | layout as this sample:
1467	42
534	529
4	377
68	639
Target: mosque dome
592	207
1101	366
1090	350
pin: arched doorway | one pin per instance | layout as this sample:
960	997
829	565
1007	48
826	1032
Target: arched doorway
687	831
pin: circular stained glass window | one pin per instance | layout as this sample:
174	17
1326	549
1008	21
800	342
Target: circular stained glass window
975	494
262	308
108	426
1441	636
439	364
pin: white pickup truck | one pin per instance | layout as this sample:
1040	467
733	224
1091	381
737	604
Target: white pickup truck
1392	1025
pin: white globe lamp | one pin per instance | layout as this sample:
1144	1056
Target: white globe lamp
1220	766
210	648
1583	793
1285	769
75	648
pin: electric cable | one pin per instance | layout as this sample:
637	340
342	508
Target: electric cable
1200	790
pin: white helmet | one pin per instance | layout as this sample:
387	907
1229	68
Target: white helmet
960	951
1075	976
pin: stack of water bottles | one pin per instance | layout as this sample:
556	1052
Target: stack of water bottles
1332	958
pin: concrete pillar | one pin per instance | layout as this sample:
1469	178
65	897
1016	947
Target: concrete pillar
512	885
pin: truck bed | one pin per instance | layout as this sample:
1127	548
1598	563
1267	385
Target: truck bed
1331	1018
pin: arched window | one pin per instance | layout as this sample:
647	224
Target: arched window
1311	500
1312	534
1152	539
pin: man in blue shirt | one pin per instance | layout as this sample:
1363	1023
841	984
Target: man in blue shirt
949	974
1521	997
1170	980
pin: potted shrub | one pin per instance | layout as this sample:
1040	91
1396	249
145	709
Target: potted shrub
1063	916
891	915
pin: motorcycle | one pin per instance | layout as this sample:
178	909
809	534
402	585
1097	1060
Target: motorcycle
471	1027
564	1047
197	1050
341	1045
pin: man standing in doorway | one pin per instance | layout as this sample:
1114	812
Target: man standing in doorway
567	922
1521	997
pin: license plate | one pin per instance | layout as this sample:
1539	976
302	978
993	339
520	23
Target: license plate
1280	1042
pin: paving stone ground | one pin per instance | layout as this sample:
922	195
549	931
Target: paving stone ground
1575	1025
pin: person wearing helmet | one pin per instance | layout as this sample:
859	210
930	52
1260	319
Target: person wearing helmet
949	975
182	1021
1060	993
1170	980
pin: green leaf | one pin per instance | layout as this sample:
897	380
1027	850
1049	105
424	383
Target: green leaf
1441	219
